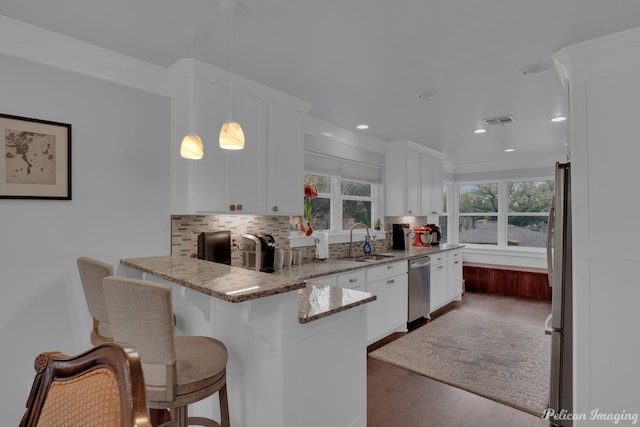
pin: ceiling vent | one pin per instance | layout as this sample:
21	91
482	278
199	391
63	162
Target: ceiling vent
501	120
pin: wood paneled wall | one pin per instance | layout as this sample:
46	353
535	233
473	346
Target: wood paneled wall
506	280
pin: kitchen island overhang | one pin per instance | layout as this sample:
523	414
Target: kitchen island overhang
297	351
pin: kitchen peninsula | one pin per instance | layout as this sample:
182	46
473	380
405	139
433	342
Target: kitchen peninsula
297	350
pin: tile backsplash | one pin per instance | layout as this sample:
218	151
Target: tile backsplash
185	230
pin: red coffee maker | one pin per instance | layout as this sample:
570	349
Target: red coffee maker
423	236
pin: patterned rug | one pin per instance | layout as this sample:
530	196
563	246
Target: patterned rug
503	361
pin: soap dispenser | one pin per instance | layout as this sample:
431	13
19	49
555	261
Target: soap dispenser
366	248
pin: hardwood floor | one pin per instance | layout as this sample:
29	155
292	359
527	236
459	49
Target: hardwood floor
400	398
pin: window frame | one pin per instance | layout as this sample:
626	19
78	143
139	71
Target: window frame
503	213
336	200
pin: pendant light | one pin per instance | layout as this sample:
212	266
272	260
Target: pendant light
192	147
231	134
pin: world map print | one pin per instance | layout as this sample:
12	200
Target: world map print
30	158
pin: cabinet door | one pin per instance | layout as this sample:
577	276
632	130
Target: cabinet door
286	161
376	311
413	187
208	177
246	168
454	288
431	169
397	302
438	285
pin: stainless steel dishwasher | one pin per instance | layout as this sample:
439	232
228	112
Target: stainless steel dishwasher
419	288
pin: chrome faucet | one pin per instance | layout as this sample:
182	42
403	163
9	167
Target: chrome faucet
357	224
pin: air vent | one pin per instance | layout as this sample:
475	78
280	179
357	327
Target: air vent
501	120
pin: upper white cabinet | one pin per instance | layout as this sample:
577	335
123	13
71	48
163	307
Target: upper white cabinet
285	175
413	179
266	177
229	180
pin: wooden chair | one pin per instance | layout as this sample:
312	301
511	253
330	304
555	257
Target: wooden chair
178	370
102	387
92	272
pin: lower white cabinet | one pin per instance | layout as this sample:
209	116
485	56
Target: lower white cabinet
389	283
439	282
446	278
454	273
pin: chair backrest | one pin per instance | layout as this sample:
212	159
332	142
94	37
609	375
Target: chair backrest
92	272
141	315
103	387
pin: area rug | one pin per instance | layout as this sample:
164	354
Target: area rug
503	361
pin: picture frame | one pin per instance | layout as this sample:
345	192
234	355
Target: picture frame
35	161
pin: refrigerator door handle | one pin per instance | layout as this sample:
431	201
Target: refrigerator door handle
552	212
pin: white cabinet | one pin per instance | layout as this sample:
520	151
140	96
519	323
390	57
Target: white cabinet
413	179
454	275
439	280
389	283
604	81
353	280
229	180
286	161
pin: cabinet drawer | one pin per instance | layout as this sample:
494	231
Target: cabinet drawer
438	258
457	254
323	280
352	279
387	270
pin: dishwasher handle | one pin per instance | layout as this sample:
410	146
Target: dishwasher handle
418	264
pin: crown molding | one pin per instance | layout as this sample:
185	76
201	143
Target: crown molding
418	147
516	164
36	44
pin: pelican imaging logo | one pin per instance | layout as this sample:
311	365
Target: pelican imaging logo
595	415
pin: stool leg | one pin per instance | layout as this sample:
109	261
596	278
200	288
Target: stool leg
224	407
181	415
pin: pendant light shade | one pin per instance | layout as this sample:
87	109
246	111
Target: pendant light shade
231	134
191	147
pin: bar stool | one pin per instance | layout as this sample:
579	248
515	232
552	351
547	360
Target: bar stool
92	272
178	370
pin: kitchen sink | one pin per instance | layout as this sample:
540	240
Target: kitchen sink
370	258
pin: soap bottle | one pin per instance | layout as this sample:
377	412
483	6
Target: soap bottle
366	248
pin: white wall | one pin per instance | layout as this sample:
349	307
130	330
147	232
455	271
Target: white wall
120	208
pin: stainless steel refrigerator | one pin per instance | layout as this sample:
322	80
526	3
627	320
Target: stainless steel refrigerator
559	323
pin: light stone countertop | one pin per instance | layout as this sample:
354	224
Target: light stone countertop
235	284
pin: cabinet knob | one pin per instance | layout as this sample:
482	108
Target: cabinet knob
232	207
389	267
274	209
440	267
391	282
239	207
456	262
353	280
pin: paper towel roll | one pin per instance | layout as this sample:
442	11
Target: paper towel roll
322	245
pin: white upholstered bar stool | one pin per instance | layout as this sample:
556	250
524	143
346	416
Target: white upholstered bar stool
92	272
178	370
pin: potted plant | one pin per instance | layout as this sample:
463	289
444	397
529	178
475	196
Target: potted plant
377	225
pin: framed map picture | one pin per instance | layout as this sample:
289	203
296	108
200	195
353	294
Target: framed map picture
35	160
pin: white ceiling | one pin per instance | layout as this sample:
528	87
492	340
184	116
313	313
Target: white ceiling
366	61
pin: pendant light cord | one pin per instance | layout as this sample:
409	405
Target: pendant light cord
233	42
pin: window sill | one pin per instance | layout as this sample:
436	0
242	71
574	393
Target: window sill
297	241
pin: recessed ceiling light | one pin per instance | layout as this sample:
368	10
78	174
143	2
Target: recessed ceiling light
509	150
362	127
533	69
479	130
557	119
428	95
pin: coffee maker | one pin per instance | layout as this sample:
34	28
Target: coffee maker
258	252
435	234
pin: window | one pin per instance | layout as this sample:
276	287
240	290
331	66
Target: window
505	213
341	203
529	204
443	220
478	216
